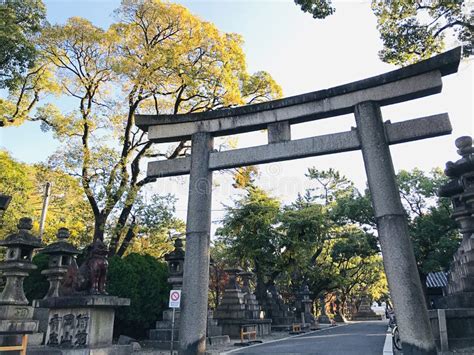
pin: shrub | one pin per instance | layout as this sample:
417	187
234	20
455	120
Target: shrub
36	285
142	278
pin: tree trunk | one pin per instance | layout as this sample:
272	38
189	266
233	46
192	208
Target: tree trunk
119	229
128	238
99	226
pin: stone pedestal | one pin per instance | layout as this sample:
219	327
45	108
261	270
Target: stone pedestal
78	324
160	337
365	312
453	329
17	319
460	288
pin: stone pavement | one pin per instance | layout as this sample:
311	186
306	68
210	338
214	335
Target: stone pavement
358	338
355	338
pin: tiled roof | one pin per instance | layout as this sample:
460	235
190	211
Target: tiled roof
436	279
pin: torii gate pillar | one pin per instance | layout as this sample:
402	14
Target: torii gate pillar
192	330
398	258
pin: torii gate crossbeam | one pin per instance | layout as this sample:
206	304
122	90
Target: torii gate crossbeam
372	136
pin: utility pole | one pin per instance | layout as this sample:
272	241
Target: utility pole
47	193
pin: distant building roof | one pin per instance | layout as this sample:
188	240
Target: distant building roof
436	279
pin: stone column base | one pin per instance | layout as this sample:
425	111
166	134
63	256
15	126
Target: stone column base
455	331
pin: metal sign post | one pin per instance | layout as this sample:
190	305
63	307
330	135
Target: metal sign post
174	302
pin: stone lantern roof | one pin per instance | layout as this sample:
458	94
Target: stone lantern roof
466	163
177	253
62	246
22	238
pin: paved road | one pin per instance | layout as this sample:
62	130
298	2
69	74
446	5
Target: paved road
363	338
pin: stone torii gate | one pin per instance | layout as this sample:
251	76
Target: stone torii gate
363	98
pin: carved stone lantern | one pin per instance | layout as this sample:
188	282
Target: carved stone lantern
18	262
246	277
305	294
460	188
232	283
61	255
306	303
15	314
175	261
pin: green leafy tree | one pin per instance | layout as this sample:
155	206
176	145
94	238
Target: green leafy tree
412	30
67	205
434	234
331	185
151	222
218	278
20	23
142	278
305	231
36	285
320	9
156	58
248	231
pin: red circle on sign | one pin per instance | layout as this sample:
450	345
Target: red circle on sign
175	296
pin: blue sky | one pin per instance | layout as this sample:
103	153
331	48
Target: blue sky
303	55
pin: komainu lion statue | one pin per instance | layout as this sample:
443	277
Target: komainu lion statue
91	276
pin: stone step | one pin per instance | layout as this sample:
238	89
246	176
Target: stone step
158	344
214	330
218	340
161	324
168	315
162	334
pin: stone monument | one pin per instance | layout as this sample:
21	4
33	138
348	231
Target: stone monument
252	307
234	311
81	313
364	312
15	313
453	326
277	310
305	305
323	317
